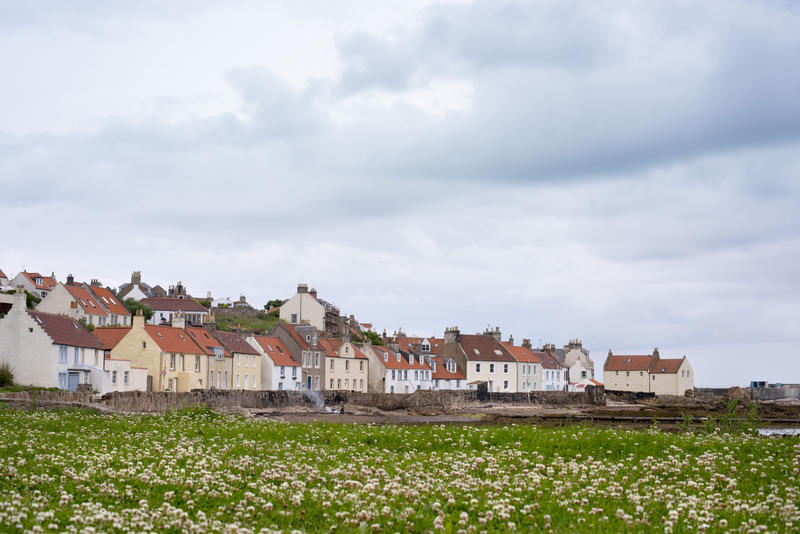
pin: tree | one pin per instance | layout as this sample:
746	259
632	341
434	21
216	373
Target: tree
274	303
373	337
134	305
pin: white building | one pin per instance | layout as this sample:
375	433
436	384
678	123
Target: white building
577	359
445	373
393	371
279	371
34	283
76	302
304	308
50	350
166	308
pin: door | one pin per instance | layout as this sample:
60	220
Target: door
308	385
74	380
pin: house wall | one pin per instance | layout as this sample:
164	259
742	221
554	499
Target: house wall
673	384
250	365
21	280
27	348
60	301
312	359
377	371
135	294
137	377
529	376
306	308
283	378
501	378
637	381
346	372
687	380
579	370
221	374
576	357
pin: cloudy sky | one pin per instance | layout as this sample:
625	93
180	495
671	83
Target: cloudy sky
623	172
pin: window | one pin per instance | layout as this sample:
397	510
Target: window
144	345
246	361
316	382
346	383
641	373
247	381
76	356
294	318
491	368
681	374
505	384
411	359
360	366
197	364
294	372
361	384
627	373
239	359
62	380
394	376
505	368
688	373
280	386
316	360
308	338
338	383
346	365
238	381
62	355
405	376
283	371
169	385
654	377
181	363
616	373
171	362
477	368
125	377
113	377
331	364
226	380
583	374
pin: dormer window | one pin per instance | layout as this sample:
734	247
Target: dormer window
386	356
411	359
477	352
398	357
426	347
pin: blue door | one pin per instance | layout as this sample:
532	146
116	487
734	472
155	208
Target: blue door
74	380
308	383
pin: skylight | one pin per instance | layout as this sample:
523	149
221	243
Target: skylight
159	334
629	360
181	336
498	352
40	321
477	352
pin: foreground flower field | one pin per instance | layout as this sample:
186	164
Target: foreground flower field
74	471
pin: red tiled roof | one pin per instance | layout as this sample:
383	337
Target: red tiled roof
87	301
480	347
206	341
276	351
628	362
109	300
234	342
391	361
2	274
292	329
332	347
171	339
171	304
65	330
110	336
521	354
442	373
666	366
48	282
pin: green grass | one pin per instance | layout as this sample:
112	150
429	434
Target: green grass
262	323
197	470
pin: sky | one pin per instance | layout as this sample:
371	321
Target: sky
626	173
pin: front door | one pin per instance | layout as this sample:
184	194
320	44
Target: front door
308	384
74	380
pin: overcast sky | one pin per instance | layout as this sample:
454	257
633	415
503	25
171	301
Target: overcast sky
623	172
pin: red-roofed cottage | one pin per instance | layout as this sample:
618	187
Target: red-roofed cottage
346	367
279	369
75	301
649	373
34	283
395	371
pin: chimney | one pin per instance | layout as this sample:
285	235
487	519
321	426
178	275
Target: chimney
609	352
452	335
655	352
510	339
19	301
208	295
179	321
70	280
313	293
526	343
495	333
302	288
95	282
136	277
138	320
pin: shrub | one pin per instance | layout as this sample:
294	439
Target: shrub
6	375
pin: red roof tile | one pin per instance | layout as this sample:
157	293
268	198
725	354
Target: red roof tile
207	342
65	330
332	347
171	339
666	366
442	373
109	300
86	300
110	336
2	274
48	282
171	304
395	360
276	351
522	354
484	348
628	362
234	342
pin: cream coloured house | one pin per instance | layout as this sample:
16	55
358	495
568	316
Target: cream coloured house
529	366
246	361
304	308
75	301
648	374
346	367
484	359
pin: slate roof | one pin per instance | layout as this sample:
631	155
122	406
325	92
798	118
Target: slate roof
65	330
549	360
174	305
234	343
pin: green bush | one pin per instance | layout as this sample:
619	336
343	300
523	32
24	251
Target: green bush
6	375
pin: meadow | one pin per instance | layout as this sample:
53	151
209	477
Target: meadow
197	471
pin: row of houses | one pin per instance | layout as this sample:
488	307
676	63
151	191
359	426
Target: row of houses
179	349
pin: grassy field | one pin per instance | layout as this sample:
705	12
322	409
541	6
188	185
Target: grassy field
75	471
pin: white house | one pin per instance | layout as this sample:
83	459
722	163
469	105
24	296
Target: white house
304	308
50	350
554	370
34	283
246	362
577	359
445	373
76	302
393	371
279	371
529	367
483	358
166	308
3	278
